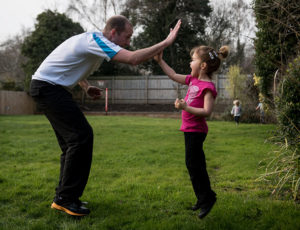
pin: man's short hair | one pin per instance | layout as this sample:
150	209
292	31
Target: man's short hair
117	22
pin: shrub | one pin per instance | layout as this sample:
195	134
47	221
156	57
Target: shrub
284	167
277	39
8	84
288	103
236	82
51	29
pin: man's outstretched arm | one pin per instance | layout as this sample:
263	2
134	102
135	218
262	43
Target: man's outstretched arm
138	56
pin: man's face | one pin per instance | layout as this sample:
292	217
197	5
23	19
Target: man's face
123	39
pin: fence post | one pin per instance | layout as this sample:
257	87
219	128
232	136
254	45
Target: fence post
113	90
106	101
146	86
217	82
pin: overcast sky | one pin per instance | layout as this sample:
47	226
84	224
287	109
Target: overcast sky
18	14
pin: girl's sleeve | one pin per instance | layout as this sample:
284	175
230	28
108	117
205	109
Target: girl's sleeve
214	92
188	79
212	88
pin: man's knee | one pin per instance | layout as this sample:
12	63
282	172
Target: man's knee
87	134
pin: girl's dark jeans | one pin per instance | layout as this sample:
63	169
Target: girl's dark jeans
196	165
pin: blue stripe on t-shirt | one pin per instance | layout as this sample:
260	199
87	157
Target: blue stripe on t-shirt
109	51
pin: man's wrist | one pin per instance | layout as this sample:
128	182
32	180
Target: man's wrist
165	43
84	85
85	88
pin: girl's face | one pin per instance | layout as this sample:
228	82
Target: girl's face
195	65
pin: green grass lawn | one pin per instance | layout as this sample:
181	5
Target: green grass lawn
138	178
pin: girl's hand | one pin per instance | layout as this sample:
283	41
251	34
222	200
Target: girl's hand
180	104
158	57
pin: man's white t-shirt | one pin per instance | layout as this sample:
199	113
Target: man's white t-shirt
75	59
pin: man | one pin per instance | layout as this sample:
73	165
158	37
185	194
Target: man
70	64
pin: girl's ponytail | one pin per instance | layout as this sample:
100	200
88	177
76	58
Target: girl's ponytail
223	52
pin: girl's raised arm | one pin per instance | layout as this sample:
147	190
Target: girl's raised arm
180	78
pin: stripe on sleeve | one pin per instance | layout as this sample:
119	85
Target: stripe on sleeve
109	51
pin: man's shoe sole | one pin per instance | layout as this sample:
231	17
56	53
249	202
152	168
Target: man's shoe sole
61	208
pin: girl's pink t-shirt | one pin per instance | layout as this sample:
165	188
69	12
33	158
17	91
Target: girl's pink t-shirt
195	98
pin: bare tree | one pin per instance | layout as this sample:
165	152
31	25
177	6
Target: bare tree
219	26
91	14
232	23
11	60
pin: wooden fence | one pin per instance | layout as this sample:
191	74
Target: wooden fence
15	102
121	90
147	89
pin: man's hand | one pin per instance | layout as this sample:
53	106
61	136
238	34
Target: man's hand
94	92
180	104
173	33
139	56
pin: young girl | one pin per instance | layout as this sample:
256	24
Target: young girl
197	105
236	111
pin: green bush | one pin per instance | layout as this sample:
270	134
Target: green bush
8	85
236	82
51	29
284	168
277	39
288	103
249	114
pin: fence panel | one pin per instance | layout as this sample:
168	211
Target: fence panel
121	90
148	89
15	102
